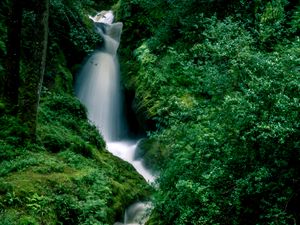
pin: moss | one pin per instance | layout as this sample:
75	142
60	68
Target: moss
116	185
70	178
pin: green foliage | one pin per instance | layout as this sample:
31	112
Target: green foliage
153	153
28	220
222	87
238	168
70	20
295	20
71	37
77	206
63	105
18	164
13	132
63	120
271	21
220	82
67	176
70	178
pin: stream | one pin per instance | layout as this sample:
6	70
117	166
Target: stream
98	88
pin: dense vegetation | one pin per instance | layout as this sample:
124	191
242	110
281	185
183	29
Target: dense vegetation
218	84
59	173
67	177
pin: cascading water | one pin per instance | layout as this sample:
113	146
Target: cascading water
98	88
98	85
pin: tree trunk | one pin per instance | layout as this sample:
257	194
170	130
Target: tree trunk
35	59
11	80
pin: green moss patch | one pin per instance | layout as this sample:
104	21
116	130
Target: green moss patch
68	177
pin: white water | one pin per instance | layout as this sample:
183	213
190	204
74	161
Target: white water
98	88
126	150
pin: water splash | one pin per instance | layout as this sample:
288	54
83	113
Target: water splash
126	150
98	88
98	85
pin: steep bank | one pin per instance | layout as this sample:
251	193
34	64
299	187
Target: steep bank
68	177
217	83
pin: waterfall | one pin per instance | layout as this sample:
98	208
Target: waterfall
98	88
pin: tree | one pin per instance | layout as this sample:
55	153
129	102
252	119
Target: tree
11	80
35	60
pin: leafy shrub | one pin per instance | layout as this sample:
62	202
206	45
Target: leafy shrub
66	210
28	220
18	164
226	111
153	153
9	218
54	138
231	164
72	159
7	151
64	126
12	131
60	104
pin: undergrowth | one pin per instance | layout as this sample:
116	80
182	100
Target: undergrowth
67	177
